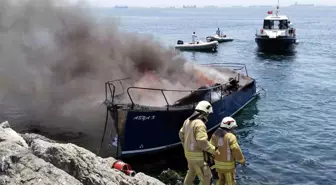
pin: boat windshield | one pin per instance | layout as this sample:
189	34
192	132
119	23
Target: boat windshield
275	24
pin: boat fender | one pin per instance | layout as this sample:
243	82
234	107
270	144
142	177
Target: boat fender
179	42
124	167
262	31
294	31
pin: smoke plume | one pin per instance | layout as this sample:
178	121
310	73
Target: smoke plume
55	60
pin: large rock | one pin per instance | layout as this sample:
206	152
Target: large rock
19	166
9	135
30	137
43	161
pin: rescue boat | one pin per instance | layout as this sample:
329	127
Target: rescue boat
142	129
277	34
198	46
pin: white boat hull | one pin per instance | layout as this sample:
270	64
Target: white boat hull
199	46
219	39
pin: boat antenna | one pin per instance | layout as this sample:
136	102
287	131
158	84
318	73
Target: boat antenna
277	9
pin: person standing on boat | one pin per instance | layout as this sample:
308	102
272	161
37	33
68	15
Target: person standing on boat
230	152
193	38
194	139
218	32
290	28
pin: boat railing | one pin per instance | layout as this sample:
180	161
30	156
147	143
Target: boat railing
164	91
110	85
233	66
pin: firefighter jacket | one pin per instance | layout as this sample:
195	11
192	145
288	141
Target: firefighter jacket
194	138
229	149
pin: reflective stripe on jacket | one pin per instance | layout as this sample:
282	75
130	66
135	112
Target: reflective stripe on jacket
229	149
194	138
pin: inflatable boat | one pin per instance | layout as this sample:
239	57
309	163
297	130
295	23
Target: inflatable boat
222	38
198	46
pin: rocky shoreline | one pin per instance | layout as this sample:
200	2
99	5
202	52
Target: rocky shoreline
29	159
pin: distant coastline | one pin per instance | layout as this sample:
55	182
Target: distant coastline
187	6
122	6
297	4
216	7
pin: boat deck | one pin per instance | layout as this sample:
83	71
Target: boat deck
236	78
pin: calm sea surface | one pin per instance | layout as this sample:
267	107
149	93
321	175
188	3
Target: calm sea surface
287	135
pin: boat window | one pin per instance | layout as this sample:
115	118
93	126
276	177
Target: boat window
267	24
275	24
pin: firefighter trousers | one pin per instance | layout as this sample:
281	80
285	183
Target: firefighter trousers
199	169
226	177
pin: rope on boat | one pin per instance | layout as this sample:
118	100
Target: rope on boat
102	140
262	89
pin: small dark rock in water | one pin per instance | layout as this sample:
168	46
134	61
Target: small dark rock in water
46	162
170	177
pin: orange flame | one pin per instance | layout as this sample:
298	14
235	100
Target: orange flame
203	79
151	77
148	80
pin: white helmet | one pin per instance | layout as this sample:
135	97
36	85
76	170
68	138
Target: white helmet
228	123
204	106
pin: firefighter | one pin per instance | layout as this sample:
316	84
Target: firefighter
230	152
194	139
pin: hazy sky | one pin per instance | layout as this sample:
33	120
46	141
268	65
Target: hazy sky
106	3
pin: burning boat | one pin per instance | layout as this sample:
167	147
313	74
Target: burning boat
143	128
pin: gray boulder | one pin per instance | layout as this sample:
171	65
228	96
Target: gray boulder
30	137
43	161
19	166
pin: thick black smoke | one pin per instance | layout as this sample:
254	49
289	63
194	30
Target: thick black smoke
54	61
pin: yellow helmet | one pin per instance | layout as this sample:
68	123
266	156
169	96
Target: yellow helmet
204	106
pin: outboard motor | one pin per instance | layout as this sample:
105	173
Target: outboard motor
179	42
